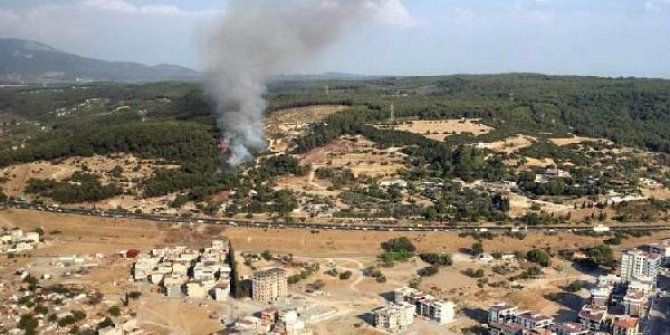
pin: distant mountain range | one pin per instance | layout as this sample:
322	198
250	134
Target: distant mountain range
23	61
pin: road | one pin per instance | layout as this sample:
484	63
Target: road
366	225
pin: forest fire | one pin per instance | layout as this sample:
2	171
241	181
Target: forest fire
223	144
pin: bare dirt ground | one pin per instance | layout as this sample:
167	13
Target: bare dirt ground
534	162
520	205
511	144
358	154
439	129
561	141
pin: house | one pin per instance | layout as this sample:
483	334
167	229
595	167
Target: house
530	320
634	302
174	291
661	248
221	291
196	289
569	328
505	329
110	330
600	295
626	326
593	317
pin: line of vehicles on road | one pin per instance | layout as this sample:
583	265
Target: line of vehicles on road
317	226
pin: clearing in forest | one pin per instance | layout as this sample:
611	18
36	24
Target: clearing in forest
358	154
438	130
284	125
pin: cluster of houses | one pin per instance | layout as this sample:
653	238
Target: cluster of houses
504	319
17	241
408	302
183	271
271	320
20	298
616	304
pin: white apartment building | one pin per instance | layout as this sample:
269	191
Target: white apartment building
394	317
638	264
426	305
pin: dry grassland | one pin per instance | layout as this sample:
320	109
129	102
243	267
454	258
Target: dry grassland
358	154
438	130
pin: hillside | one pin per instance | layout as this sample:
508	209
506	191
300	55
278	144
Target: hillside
521	148
23	61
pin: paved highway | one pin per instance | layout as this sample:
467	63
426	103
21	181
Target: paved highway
370	225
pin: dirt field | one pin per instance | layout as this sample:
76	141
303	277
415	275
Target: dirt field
439	129
561	141
358	154
511	144
133	168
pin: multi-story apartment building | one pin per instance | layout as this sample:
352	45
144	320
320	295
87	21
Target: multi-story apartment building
640	265
426	305
269	285
395	317
502	313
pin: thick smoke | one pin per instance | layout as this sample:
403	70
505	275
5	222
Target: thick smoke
255	40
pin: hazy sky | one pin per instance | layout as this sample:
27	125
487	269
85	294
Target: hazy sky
587	37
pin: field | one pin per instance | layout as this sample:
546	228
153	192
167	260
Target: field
358	154
439	130
511	144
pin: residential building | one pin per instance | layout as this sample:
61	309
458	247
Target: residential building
593	317
641	265
505	329
626	326
502	313
394	317
269	285
634	302
661	248
530	320
600	295
425	305
569	328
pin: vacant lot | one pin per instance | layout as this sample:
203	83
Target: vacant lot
439	129
561	141
511	144
359	155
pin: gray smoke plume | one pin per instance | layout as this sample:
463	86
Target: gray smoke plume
255	40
